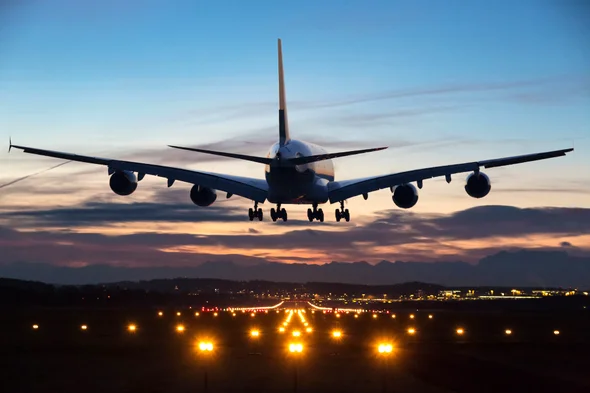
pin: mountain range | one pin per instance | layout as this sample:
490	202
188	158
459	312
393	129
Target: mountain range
514	268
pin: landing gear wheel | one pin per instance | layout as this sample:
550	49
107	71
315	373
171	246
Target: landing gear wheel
251	214
310	215
284	214
273	214
321	215
347	215
259	214
338	216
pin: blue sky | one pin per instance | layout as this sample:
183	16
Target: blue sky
439	82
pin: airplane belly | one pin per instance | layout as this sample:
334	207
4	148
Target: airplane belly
290	186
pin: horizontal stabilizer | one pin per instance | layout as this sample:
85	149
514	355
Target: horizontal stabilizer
261	160
329	156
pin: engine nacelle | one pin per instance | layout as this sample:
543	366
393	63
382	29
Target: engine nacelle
405	196
123	182
478	185
203	196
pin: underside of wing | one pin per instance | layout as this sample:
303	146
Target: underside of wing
124	180
478	184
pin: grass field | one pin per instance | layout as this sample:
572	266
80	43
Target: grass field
59	356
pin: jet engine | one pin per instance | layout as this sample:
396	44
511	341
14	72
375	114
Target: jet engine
203	196
123	182
478	185
405	196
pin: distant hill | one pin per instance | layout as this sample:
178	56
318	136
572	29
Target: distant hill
520	268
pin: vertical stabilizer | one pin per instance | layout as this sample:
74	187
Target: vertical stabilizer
283	122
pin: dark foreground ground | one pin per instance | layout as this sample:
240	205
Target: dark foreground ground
60	357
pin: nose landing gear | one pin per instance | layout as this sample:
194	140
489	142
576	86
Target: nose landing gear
317	214
255	213
279	213
342	213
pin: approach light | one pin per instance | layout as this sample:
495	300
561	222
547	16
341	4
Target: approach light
308	330
460	331
35	327
412	316
508	332
254	333
178	314
215	314
296	333
233	314
160	313
393	316
197	314
84	327
281	330
205	346
411	331
356	315
293	348
556	332
385	348
180	328
336	333
374	316
132	328
252	315
430	316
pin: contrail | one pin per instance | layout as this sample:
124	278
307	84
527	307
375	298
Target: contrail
33	174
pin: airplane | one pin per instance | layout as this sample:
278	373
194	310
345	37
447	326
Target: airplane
296	172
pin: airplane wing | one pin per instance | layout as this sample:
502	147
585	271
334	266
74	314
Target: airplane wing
341	190
254	189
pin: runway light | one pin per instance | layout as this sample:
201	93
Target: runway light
356	315
254	333
556	332
160	313
411	331
429	316
385	348
460	331
296	333
205	346
233	314
84	327
296	348
215	314
336	333
508	332
180	328
337	315
308	330
282	329
252	315
393	316
412	316
313	312
178	314
35	327
132	328
374	316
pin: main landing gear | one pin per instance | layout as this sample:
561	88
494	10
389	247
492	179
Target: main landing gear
279	213
317	214
255	213
342	213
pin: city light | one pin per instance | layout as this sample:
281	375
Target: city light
296	348
205	346
132	328
84	327
411	331
460	331
35	327
254	333
336	333
385	348
180	328
508	332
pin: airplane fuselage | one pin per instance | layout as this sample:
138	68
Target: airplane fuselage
299	184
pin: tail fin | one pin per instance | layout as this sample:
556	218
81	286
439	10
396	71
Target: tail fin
283	122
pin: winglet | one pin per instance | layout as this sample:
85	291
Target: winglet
9	143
